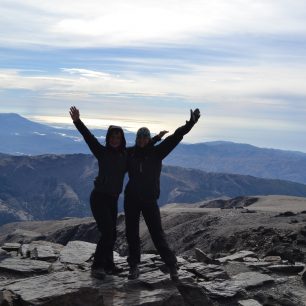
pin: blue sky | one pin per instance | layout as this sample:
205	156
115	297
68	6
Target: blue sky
136	63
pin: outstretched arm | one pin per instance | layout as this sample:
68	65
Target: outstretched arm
164	148
159	137
94	145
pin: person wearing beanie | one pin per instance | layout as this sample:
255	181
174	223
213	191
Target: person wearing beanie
112	161
142	192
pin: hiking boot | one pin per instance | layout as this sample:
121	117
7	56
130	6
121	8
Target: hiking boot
173	273
133	272
98	273
113	270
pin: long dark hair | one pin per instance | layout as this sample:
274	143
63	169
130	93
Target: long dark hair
115	129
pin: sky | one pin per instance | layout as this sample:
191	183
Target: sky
141	63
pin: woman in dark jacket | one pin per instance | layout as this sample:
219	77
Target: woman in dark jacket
142	193
112	160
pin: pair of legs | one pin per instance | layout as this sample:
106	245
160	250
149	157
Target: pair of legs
151	214
104	209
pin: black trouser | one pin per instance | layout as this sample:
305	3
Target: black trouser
104	209
151	215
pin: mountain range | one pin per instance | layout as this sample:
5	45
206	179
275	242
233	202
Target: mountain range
19	136
57	186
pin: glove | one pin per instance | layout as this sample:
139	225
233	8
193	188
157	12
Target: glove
194	115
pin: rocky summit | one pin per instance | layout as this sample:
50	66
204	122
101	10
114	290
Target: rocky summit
245	253
55	274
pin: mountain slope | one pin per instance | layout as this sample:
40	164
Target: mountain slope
56	186
19	136
228	157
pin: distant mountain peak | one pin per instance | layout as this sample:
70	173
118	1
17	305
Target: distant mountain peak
11	115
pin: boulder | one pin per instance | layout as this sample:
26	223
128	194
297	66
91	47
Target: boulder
206	272
61	288
43	250
24	266
237	285
222	290
248	280
77	252
11	246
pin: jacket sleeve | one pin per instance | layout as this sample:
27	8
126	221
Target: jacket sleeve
155	139
165	147
94	145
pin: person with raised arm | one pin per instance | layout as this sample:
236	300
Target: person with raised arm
142	192
112	160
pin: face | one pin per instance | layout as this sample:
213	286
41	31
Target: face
115	139
142	141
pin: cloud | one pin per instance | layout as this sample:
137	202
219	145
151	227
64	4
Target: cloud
242	61
122	23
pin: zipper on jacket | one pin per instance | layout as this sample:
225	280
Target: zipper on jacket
140	167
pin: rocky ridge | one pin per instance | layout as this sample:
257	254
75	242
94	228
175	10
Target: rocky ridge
46	273
251	257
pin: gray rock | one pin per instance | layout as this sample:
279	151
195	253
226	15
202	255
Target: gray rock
11	246
202	257
286	268
235	286
225	289
3	252
24	236
157	279
207	272
44	250
23	250
57	266
193	294
248	280
249	302
250	259
272	259
237	256
79	288
24	266
61	288
77	252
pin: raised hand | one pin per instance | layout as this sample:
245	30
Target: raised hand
162	134
195	115
74	113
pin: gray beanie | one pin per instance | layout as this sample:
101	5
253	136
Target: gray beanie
143	132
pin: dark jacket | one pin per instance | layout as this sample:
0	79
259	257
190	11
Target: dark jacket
112	162
144	165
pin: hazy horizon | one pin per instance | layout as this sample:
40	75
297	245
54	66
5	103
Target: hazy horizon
147	63
93	125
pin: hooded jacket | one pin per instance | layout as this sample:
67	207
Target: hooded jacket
144	166
112	162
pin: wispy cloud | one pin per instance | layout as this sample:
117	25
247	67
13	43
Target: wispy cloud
121	23
242	61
